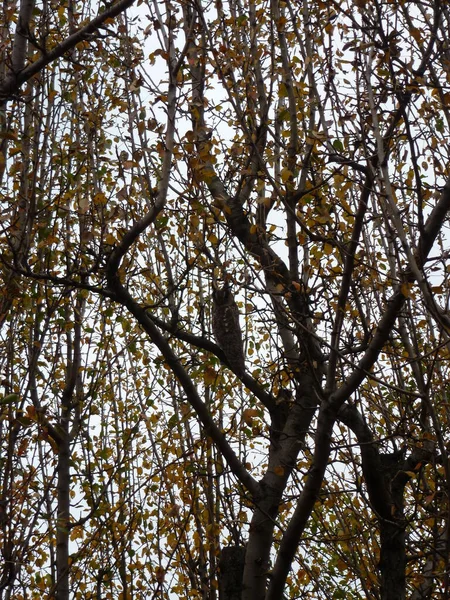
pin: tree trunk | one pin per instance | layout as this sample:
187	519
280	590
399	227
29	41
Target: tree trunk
392	560
392	531
62	521
231	571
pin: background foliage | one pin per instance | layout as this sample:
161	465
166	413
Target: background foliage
298	151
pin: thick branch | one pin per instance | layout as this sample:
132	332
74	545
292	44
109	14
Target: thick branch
189	388
329	409
434	223
292	535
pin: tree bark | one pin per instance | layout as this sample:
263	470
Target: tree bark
392	559
231	570
62	520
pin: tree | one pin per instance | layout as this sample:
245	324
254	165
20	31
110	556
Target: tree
294	155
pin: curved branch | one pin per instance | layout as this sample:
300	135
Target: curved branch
10	86
370	457
189	388
347	280
19	52
329	409
205	344
427	239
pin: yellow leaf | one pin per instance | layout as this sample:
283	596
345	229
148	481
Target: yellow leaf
100	198
285	174
248	415
345	205
411	473
282	92
209	376
159	574
129	164
406	290
8	135
429	498
110	239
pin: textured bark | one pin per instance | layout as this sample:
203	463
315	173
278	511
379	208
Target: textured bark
62	438
392	560
62	522
231	569
284	451
392	529
386	476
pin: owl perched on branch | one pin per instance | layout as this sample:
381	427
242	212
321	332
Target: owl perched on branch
226	327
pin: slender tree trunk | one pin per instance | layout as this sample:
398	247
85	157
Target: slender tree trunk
62	522
69	410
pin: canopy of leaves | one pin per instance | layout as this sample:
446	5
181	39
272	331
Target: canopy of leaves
297	152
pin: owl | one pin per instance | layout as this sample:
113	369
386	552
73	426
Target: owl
226	328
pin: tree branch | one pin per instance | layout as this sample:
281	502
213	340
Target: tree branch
189	388
10	86
330	407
